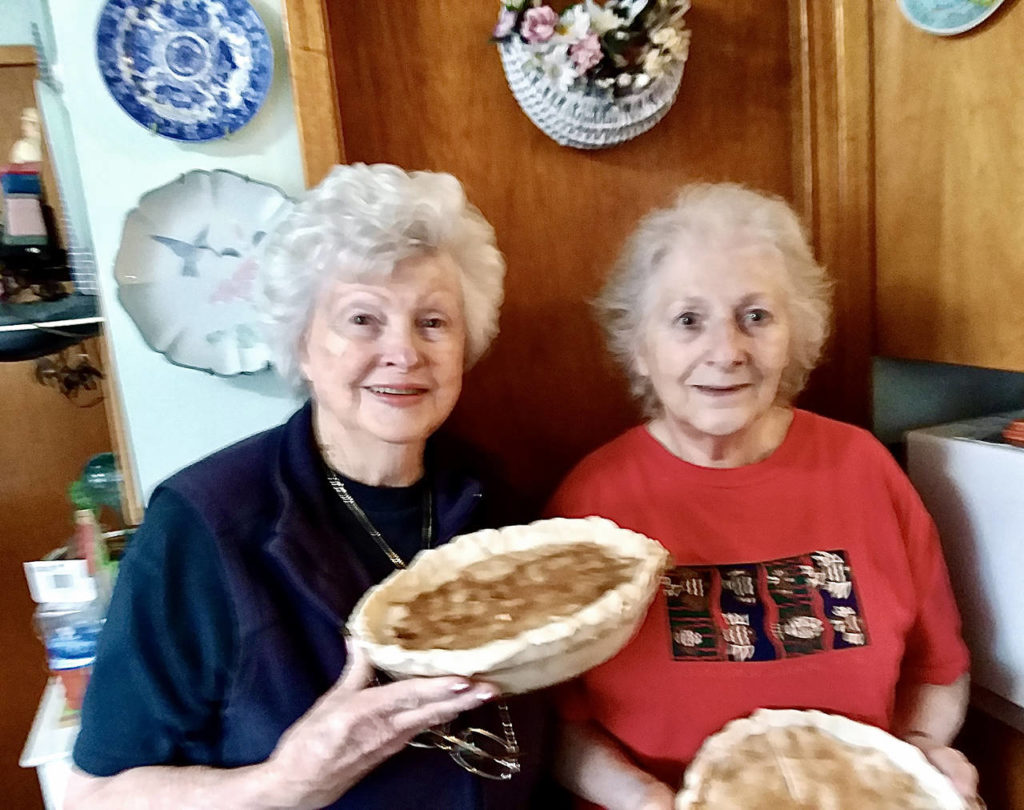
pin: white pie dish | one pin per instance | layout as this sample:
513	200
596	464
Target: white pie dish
902	755
537	657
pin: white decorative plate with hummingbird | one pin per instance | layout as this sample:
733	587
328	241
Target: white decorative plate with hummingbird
186	269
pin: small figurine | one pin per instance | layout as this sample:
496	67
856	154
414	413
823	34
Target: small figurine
29	148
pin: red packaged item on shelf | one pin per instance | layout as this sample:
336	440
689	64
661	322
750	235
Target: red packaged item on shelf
1014	432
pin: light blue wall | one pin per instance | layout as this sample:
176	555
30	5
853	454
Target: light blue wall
174	415
16	18
910	394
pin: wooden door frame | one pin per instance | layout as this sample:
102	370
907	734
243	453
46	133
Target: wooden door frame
311	64
833	159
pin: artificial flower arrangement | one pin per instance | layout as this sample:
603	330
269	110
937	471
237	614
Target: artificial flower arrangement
617	47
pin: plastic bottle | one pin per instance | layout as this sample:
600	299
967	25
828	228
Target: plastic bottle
70	630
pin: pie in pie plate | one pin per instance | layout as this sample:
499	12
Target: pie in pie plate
783	759
522	607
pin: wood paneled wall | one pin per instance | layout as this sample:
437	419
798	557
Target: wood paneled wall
949	117
758	104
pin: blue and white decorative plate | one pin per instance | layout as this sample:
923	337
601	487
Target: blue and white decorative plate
191	70
948	17
187	269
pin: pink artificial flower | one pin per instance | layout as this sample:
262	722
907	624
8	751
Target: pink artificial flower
586	53
506	22
539	24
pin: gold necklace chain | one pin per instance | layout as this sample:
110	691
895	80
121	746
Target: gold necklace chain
427	534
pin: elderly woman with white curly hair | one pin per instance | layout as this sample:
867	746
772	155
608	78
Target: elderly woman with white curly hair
222	678
807	572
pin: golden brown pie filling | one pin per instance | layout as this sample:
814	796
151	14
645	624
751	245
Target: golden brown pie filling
505	595
804	767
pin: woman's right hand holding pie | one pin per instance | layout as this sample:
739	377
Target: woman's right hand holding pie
354	727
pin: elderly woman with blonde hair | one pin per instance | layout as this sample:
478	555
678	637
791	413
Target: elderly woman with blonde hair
807	572
222	678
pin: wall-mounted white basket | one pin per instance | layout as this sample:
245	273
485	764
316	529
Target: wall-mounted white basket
585	119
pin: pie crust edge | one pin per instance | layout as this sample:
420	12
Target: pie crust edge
537	657
902	754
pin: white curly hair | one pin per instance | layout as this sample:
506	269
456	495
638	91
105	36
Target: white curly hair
716	216
362	220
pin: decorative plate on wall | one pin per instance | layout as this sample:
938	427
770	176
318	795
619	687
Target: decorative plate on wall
948	17
191	70
186	269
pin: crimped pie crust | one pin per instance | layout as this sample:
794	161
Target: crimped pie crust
815	760
538	656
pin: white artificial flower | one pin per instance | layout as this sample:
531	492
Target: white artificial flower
602	19
559	67
672	41
605	82
576	23
624	80
641	80
655	62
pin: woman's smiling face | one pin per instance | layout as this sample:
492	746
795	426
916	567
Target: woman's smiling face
716	338
384	357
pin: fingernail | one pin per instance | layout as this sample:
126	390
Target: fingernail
485	693
459	688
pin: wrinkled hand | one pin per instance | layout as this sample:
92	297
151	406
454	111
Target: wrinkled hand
952	763
353	728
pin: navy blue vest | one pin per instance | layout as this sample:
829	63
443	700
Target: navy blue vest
293	580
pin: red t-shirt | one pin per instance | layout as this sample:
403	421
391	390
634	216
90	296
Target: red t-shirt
812	579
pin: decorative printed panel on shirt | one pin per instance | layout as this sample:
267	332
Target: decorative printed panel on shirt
764	611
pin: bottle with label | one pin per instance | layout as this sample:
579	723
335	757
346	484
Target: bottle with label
68	619
70	631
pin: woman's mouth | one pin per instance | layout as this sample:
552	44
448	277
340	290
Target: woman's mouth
721	390
397	394
395	390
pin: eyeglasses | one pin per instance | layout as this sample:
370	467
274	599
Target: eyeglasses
475	750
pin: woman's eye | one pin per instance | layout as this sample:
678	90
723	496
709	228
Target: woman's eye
361	319
757	315
432	323
687	319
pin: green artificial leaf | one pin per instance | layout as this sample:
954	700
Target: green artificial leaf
80	496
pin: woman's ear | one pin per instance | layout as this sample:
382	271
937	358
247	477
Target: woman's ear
302	351
640	365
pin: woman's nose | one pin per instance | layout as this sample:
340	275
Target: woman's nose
400	348
728	344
